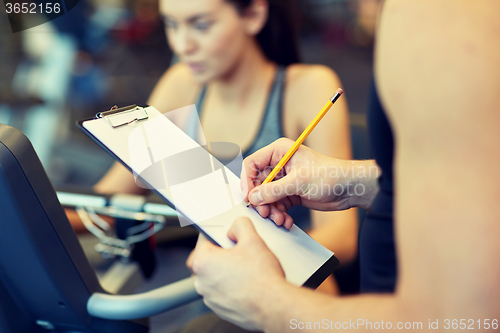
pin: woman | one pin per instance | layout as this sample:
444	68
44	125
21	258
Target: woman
238	63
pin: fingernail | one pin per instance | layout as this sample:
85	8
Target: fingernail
272	217
256	198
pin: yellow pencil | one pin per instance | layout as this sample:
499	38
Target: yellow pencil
303	136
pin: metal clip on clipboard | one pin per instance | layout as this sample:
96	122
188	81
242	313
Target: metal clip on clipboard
118	117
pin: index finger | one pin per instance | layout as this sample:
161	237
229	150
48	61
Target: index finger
204	243
255	166
204	248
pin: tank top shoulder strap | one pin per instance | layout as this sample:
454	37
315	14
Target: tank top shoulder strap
271	127
200	99
192	125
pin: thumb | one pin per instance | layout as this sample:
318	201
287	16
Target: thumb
274	191
242	230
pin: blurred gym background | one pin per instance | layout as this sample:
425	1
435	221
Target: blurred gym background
112	52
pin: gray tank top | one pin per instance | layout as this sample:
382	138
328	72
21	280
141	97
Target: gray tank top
270	130
271	126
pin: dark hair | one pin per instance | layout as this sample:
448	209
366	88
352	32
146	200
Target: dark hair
277	38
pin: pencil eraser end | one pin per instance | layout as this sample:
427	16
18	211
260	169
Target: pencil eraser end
340	91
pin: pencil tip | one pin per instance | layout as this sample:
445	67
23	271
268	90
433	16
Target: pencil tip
340	91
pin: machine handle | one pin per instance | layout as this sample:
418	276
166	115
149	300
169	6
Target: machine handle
129	307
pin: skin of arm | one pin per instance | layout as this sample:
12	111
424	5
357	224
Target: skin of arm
446	185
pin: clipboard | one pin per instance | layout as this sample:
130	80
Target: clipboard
137	133
117	117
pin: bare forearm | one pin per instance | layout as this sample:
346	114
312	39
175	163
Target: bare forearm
280	311
361	182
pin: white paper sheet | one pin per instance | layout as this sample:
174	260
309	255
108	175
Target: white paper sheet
206	200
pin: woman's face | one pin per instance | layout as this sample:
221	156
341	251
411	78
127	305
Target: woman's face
207	35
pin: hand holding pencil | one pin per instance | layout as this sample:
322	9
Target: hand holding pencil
303	136
283	149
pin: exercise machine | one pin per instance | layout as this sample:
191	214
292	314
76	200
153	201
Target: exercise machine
46	282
